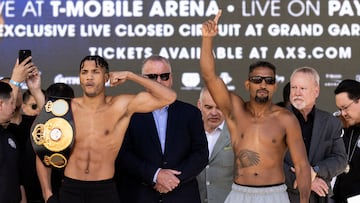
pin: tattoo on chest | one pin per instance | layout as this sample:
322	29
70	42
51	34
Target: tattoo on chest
247	158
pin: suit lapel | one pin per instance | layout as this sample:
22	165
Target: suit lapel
154	133
222	141
169	126
317	134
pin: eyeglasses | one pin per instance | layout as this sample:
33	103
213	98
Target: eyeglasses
345	108
259	79
163	76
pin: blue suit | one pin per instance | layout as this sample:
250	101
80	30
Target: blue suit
141	155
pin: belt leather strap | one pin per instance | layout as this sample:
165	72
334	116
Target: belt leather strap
52	134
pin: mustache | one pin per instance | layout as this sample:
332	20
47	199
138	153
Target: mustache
298	97
263	89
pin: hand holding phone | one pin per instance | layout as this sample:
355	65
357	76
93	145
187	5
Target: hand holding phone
23	54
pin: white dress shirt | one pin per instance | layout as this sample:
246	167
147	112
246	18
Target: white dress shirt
213	137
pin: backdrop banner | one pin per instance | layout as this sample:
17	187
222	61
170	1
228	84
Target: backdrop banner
290	34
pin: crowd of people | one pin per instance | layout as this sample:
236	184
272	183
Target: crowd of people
151	147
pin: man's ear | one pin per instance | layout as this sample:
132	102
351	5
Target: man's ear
317	91
107	76
247	84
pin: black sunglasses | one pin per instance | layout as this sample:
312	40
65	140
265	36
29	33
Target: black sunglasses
258	79
163	76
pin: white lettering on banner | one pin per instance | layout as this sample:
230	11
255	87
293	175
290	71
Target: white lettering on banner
255	7
344	8
332	52
180	52
352	30
260	53
290	53
7	8
93	9
315	53
141	30
194	52
38	30
254	30
71	80
34	10
129	53
194	30
295	30
183	8
299	8
94	30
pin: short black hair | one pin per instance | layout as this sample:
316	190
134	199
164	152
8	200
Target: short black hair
59	90
26	96
99	61
349	86
262	64
5	91
286	92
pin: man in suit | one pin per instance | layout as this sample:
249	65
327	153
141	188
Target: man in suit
164	150
321	133
216	179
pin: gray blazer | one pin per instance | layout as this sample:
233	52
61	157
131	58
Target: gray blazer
216	179
327	151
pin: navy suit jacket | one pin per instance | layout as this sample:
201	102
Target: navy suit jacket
141	155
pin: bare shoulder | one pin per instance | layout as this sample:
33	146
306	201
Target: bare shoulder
284	115
238	104
281	111
76	102
288	120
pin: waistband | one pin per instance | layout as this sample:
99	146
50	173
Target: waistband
277	188
85	182
259	186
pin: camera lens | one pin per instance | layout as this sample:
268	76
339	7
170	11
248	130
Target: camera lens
34	106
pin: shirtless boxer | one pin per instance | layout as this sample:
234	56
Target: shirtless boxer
100	123
260	131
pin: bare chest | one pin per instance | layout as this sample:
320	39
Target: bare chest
259	131
95	127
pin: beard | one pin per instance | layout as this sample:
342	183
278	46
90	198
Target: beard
298	103
261	99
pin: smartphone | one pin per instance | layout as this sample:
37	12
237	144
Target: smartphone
23	54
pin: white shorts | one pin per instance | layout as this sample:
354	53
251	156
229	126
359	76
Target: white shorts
266	194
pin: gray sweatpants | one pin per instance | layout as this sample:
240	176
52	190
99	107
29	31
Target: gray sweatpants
267	194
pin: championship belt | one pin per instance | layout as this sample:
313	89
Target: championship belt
53	132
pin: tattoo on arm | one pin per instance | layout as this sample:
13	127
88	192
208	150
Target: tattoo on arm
247	158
